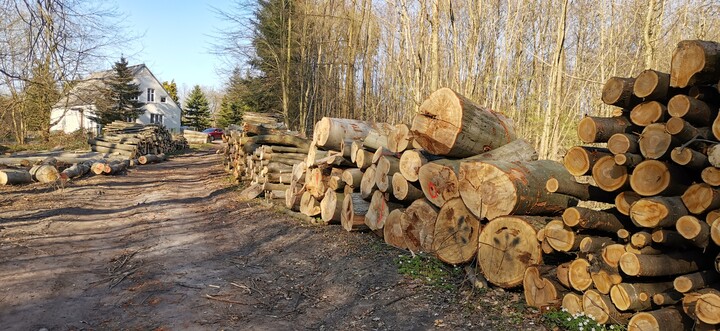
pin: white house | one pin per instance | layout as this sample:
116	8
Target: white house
75	111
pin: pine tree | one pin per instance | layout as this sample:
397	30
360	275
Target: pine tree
41	93
196	113
171	89
232	105
121	96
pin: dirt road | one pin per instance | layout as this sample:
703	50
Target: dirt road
169	247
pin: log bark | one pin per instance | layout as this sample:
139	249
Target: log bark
665	319
456	234
695	62
399	138
601	308
637	297
331	206
609	176
76	170
151	158
115	167
696	280
618	91
584	192
541	292
363	159
377	137
403	190
657	211
394	229
252	143
15	177
354	209
689	158
668	298
648	112
653	177
579	160
421	216
656	143
330	132
593	129
628	160
609	220
621	143
652	85
603	276
624	200
352	177
701	198
669	238
497	188
659	265
378	211
595	244
336	183
693	229
451	125
44	173
684	131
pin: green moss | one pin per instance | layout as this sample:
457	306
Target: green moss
429	270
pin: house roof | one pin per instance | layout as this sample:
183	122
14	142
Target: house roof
87	90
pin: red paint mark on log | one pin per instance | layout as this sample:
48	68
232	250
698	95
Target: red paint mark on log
433	190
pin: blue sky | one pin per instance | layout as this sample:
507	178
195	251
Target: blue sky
176	39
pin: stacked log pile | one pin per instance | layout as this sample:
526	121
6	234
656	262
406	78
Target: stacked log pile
132	140
651	261
196	137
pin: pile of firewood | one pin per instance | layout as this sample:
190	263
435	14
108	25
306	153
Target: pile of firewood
133	140
196	137
650	262
263	154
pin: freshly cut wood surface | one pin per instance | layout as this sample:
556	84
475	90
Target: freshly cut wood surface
399	138
378	211
637	297
14	176
628	160
652	85
411	161
363	159
648	112
656	143
695	62
664	319
403	190
368	183
657	211
618	91
708	307
593	129
540	291
456	233
609	176
421	216
612	253
394	229
330	132
352	177
508	246
563	239
696	280
451	125
152	158
309	205
582	191
668	298
354	208
377	136
331	206
681	129
620	143
579	160
609	220
572	302
498	188
659	265
695	230
701	198
601	308
653	177
689	158
595	244
624	200
579	274
45	173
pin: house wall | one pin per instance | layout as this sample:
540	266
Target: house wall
71	120
169	109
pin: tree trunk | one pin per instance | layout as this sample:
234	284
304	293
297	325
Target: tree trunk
640	239
624	200
563	239
497	188
579	160
601	308
403	190
378	211
151	158
352	177
618	91
456	233
594	244
669	238
412	160
508	246
368	183
621	143
77	170
377	137
541	292
659	265
585	192
653	177
336	183
701	198
668	298
648	112
252	143
608	220
330	206
15	176
293	196
657	211
309	205
695	62
44	173
637	297
689	158
696	280
399	139
363	159
651	85
114	168
386	167
656	143
612	253
395	228
579	274
684	131
628	160
421	216
665	319
330	132
354	209
451	125
599	129
715	233
694	230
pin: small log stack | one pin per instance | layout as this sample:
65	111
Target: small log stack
649	261
132	140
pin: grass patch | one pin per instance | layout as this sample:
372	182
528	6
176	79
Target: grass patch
430	270
575	322
57	140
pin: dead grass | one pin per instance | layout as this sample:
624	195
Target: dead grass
57	140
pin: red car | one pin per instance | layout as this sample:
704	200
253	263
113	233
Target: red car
214	133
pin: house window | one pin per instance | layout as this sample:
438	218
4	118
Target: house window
162	99
150	95
135	98
156	118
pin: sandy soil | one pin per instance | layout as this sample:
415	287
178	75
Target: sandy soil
169	247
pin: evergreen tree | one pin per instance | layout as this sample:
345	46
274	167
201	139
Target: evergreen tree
121	96
232	105
41	93
171	89
196	113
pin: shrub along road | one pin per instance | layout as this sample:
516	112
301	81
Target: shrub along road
169	247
